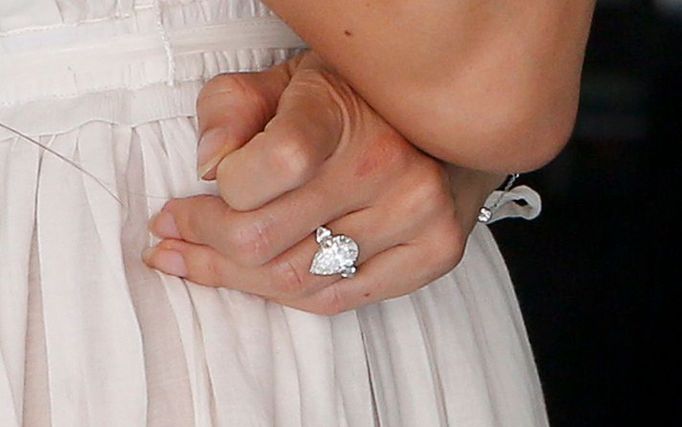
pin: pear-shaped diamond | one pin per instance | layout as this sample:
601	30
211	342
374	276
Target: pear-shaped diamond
337	255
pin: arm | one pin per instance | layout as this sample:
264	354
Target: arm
488	85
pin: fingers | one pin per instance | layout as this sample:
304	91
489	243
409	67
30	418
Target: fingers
387	268
285	276
387	275
323	157
203	265
289	276
397	271
255	237
305	131
232	109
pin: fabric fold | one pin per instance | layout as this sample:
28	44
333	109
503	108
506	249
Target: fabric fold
351	371
151	196
496	312
90	336
95	360
169	391
18	163
452	352
7	399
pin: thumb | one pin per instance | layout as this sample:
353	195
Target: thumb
232	108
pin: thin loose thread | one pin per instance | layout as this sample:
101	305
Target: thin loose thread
72	163
165	40
510	181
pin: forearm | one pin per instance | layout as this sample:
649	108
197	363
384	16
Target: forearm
483	84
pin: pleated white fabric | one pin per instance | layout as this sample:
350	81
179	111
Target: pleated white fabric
89	336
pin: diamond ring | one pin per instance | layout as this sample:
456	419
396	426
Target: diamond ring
337	254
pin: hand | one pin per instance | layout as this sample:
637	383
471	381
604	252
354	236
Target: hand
294	148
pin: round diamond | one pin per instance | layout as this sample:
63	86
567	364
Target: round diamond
485	215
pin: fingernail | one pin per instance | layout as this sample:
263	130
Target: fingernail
209	151
167	261
163	225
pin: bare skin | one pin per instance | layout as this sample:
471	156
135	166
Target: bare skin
299	148
488	85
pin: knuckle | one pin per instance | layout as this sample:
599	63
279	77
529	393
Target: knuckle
237	197
196	226
287	280
233	195
226	191
213	270
191	227
202	266
249	242
185	218
206	268
293	158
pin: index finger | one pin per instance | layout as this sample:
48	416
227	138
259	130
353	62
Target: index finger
312	119
231	109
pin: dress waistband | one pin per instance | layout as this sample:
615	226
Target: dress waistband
133	61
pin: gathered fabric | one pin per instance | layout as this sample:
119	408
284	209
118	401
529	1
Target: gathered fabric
90	336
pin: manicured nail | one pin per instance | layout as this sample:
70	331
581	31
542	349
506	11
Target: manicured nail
163	225
167	261
211	150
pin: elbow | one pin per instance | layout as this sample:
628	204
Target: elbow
505	135
530	142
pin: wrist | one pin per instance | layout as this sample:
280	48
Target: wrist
470	188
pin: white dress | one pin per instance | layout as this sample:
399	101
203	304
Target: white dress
89	336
